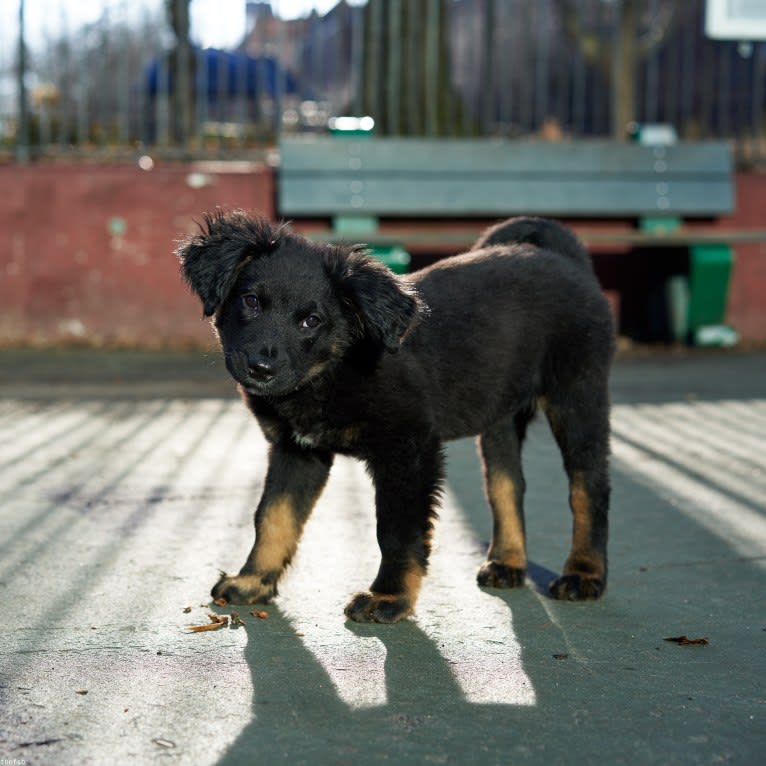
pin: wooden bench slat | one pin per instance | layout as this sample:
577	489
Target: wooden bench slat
408	197
496	156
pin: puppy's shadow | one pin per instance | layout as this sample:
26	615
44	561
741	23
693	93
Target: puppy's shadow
296	704
415	670
540	578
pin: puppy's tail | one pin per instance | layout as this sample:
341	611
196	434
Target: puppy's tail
541	232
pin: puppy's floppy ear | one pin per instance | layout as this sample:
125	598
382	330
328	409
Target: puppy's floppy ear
386	306
212	259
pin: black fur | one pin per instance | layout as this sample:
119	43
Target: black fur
539	232
335	354
234	238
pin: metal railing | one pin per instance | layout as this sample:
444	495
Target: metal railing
125	81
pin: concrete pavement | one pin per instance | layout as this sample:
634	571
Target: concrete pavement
127	480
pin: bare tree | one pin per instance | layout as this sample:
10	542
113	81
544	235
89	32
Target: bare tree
181	68
638	28
92	85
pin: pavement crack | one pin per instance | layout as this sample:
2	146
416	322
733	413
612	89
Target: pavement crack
39	742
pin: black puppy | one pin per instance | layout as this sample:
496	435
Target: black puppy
335	354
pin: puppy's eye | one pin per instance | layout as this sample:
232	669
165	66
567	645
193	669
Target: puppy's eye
251	302
311	321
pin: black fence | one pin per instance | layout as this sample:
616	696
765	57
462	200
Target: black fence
137	79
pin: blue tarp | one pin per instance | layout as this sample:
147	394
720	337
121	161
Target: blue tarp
226	74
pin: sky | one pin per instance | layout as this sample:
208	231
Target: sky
215	23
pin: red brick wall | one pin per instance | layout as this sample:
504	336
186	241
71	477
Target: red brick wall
747	297
86	251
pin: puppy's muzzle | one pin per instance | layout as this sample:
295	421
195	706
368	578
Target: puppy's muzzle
261	369
251	369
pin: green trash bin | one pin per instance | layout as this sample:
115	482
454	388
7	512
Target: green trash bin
710	268
703	304
709	275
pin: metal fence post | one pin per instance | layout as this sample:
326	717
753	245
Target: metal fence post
22	126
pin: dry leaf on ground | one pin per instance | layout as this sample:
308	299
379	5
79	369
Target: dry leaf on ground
217	621
686	641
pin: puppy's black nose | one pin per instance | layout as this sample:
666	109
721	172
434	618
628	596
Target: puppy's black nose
260	369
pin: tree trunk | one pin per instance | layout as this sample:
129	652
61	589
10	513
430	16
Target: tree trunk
181	67
624	66
407	72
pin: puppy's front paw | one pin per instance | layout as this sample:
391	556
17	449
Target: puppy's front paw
577	587
378	607
493	574
244	589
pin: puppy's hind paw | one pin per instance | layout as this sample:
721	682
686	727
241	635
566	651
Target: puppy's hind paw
378	607
493	574
576	587
244	589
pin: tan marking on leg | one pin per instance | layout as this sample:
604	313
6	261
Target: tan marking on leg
508	544
245	582
411	582
277	535
413	579
582	559
580	505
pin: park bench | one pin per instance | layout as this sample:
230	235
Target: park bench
399	194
